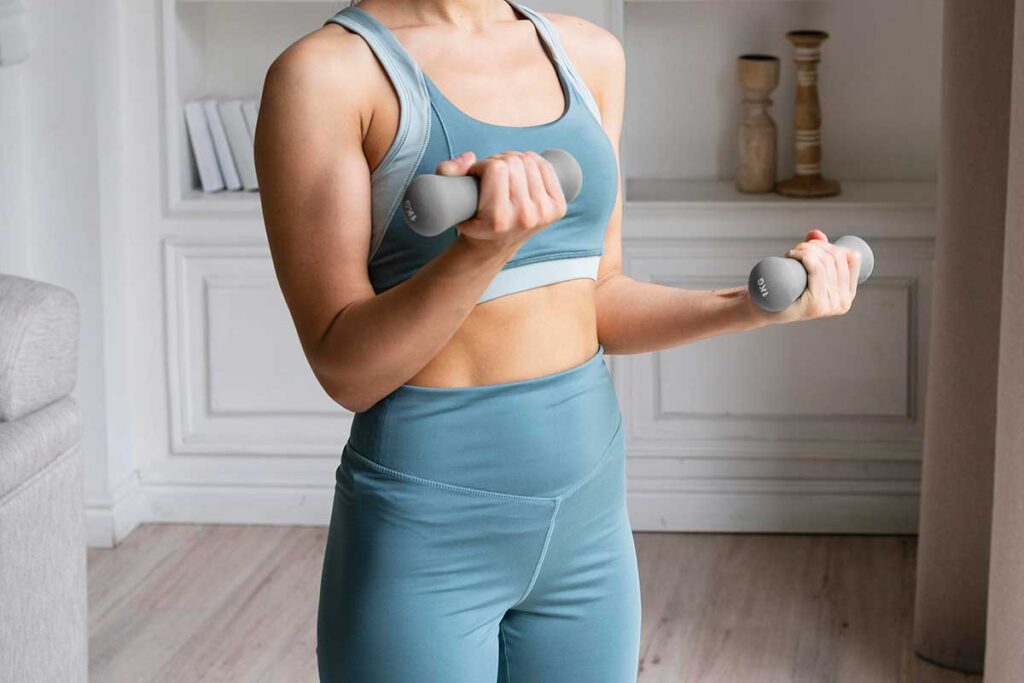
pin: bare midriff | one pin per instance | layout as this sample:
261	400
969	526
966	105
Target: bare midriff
519	336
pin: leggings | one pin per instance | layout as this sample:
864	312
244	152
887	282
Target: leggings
480	534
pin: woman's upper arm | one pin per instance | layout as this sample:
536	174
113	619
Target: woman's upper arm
599	58
314	178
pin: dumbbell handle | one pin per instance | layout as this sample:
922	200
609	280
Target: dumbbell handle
776	282
434	203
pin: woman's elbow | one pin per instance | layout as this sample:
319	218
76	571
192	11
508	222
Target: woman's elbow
345	395
353	404
344	392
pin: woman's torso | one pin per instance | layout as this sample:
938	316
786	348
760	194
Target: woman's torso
498	86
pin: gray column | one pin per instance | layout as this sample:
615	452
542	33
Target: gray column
1004	654
960	413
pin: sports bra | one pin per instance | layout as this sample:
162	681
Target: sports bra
432	129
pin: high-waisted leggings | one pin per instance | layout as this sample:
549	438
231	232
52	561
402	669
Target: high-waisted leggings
480	534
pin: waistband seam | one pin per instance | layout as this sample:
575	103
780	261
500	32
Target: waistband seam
543	554
554	500
454	488
596	469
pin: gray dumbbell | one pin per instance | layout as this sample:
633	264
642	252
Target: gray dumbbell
776	282
434	203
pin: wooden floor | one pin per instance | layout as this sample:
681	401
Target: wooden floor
189	603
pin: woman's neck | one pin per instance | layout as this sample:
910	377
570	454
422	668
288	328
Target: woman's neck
470	15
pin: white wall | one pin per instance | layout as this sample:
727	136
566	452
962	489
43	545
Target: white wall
53	178
14	244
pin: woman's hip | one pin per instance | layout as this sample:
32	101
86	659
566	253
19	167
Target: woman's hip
535	437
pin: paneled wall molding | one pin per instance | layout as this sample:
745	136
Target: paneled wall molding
250	445
809	427
781	487
739	220
903	286
890	512
822	450
225	318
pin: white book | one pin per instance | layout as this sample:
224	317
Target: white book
221	146
240	141
251	110
202	147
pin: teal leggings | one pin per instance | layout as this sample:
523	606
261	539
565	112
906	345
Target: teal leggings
480	534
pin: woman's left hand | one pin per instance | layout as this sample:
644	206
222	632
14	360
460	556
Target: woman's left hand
831	281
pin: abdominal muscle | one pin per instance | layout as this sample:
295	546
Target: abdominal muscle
518	336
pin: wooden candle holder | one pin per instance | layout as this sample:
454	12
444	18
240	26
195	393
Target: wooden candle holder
807	181
757	135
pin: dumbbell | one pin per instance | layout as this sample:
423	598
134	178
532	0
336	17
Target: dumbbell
776	282
434	203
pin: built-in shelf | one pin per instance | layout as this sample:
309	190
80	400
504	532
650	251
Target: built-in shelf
223	47
657	210
231	203
712	193
686	195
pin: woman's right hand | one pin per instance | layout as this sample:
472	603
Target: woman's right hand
519	196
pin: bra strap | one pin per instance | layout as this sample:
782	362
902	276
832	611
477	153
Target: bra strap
395	171
547	32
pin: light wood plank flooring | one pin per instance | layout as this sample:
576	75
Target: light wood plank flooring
190	603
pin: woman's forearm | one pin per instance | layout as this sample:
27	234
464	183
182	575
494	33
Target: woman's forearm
636	317
376	344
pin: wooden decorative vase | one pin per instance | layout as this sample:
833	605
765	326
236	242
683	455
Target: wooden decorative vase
757	134
807	181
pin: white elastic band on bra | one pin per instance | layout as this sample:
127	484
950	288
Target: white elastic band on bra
540	273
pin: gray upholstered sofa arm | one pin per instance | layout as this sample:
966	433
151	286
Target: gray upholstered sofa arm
29	445
38	345
43	607
38	363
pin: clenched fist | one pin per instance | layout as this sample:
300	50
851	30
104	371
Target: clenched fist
519	196
832	274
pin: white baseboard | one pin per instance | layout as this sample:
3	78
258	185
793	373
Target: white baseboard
774	513
110	523
820	506
217	504
686	510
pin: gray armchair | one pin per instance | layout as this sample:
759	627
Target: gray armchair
43	594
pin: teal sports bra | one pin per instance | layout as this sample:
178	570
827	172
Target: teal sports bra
432	129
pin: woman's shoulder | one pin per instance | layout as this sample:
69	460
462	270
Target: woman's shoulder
595	51
588	44
326	61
